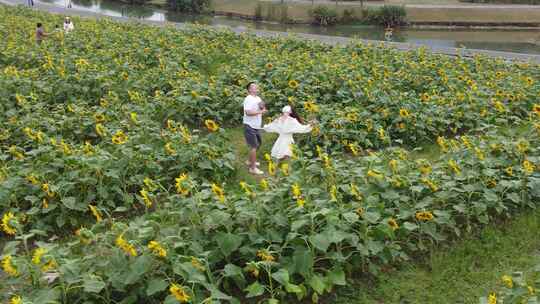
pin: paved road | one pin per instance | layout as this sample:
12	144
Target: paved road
334	40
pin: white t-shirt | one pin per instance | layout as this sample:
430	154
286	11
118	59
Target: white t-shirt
68	27
251	103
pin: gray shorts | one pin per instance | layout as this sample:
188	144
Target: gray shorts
253	137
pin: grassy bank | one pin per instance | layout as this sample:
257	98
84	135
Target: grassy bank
460	273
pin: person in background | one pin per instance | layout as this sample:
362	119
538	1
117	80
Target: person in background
68	25
40	33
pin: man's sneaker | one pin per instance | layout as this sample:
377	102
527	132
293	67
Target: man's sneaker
256	163
255	171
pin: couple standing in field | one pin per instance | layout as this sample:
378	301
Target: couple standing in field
285	125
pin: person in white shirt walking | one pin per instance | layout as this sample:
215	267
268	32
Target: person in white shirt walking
254	108
68	25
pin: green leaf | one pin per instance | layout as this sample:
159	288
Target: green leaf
254	290
71	203
228	242
490	196
155	286
317	283
189	272
320	241
298	224
372	217
93	284
138	269
410	226
282	276
337	276
170	299
217	294
351	217
47	296
303	261
293	288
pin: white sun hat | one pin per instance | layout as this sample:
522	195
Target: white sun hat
286	109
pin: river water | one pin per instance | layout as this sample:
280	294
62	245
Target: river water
519	41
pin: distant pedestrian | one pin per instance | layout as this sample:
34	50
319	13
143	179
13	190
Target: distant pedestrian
68	3
30	2
68	25
40	33
388	34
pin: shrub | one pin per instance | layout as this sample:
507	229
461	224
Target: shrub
388	15
324	16
189	6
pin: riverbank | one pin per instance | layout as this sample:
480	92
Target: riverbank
464	15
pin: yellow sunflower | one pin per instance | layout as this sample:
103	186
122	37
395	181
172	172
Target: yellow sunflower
211	125
293	84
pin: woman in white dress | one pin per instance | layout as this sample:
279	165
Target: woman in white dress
285	125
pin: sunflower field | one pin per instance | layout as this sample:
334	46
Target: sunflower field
119	184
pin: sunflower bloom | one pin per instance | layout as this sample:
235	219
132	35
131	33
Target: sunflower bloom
38	253
169	149
424	216
507	280
293	84
100	130
393	224
157	249
179	293
264	255
528	167
6	225
119	138
536	109
454	166
99	117
430	184
297	192
264	184
197	264
352	147
333	193
492	298
403	113
375	174
211	125
311	107
271	168
355	192
393	165
220	194
245	188
285	169
125	246
180	184
133	117
509	171
96	213
442	144
16	300
146	198
8	266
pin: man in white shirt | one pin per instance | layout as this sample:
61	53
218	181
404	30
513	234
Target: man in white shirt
254	108
68	25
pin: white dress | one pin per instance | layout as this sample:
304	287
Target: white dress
285	127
